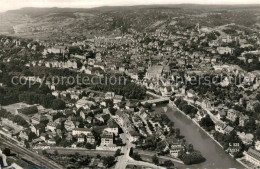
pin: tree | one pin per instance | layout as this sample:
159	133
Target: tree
85	161
207	123
90	146
117	153
108	161
7	151
190	148
155	159
193	158
79	64
44	152
177	132
258	97
32	136
58	104
56	153
98	156
168	163
136	156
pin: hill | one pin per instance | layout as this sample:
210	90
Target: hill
79	23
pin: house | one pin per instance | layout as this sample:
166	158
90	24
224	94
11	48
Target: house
154	72
166	91
106	139
175	150
224	50
113	130
51	126
89	119
191	93
99	117
243	119
253	156
220	126
84	113
69	125
44	136
225	82
81	138
55	93
247	138
69	137
118	99
134	136
221	114
90	138
24	135
57	50
257	145
252	104
79	131
75	96
232	115
86	104
51	142
228	129
37	118
37	129
199	115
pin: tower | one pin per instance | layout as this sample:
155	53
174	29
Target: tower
197	27
149	63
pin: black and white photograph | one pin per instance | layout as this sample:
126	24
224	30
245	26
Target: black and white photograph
129	84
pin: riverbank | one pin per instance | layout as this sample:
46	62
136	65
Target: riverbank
201	140
172	105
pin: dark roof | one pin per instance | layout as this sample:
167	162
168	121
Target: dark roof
253	153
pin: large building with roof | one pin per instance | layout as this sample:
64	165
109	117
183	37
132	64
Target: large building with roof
253	156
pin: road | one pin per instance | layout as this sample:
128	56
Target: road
29	155
144	164
125	159
3	159
84	151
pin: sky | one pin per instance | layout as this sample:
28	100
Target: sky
16	4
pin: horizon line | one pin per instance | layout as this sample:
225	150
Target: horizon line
163	4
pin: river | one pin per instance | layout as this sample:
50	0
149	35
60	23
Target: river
215	156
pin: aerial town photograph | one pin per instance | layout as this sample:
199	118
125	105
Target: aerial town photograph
129	84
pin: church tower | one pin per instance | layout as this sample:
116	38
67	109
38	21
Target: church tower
149	63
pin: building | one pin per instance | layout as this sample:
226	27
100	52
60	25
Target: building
112	130
81	138
37	118
232	115
86	104
220	126
253	156
242	120
175	150
79	131
51	126
154	72
224	50
91	138
69	125
109	95
106	139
